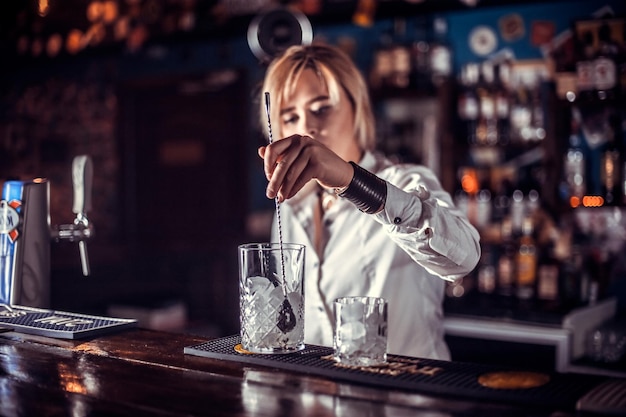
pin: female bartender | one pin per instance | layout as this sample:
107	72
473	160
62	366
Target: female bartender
371	227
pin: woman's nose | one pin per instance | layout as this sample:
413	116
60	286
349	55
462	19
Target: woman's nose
310	127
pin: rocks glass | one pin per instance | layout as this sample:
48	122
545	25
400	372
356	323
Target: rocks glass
360	337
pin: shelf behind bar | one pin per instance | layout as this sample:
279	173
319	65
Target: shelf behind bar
568	338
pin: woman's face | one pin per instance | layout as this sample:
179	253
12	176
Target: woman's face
310	112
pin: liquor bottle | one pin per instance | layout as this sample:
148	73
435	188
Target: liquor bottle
400	66
533	201
597	265
420	56
468	102
605	73
502	201
610	166
572	277
584	68
548	277
502	97
440	58
517	213
483	206
400	56
506	261
526	262
486	126
609	174
538	126
574	168
521	110
486	273
462	194
461	200
382	68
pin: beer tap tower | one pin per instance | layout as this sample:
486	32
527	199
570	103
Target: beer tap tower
25	235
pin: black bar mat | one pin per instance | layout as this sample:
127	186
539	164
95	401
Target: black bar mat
59	324
421	375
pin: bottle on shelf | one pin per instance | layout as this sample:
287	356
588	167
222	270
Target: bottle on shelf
440	57
502	98
526	262
610	165
382	68
623	181
533	201
548	277
574	170
605	74
486	272
609	175
517	213
527	112
521	109
461	200
430	54
420	56
538	126
391	68
597	263
467	102
486	126
483	206
502	201
506	264
572	277
400	67
584	68
400	56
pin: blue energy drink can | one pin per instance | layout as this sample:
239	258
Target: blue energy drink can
25	243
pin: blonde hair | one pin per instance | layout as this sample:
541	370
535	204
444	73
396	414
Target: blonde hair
335	70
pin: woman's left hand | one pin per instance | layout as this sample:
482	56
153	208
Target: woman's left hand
292	162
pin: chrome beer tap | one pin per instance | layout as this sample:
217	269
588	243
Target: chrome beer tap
81	230
25	235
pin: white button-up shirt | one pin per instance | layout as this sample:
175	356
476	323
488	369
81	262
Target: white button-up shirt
399	254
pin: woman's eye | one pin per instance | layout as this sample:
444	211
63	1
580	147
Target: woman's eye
321	110
290	120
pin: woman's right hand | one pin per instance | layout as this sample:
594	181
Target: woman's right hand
292	162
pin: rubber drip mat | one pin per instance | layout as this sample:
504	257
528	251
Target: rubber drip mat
59	324
607	398
408	373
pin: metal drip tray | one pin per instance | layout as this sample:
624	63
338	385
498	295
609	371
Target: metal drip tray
59	324
408	373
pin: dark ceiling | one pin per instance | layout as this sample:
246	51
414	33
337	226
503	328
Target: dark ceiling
44	28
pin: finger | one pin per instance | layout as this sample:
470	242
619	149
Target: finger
277	159
295	168
291	166
262	151
283	170
275	152
270	160
295	177
304	178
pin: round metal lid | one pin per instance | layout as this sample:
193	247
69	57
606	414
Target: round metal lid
271	32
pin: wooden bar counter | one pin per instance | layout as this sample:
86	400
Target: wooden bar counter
137	372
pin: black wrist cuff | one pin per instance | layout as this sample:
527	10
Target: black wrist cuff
366	191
